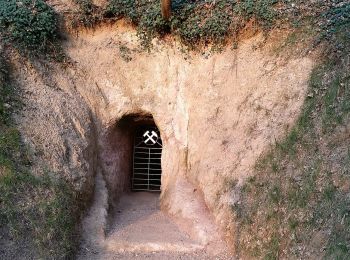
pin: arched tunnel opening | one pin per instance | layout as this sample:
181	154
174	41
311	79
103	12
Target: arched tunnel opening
128	190
144	153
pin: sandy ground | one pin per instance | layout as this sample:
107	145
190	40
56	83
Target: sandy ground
140	230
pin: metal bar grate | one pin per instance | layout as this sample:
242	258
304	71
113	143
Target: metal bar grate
147	159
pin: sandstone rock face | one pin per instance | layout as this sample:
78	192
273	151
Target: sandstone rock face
56	124
216	114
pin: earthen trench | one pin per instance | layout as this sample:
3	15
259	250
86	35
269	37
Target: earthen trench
177	197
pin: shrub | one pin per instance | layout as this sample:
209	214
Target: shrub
88	15
29	24
195	23
336	28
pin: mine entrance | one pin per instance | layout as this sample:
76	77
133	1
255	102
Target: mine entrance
147	154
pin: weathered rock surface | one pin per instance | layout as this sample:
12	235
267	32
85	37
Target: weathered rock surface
216	115
56	123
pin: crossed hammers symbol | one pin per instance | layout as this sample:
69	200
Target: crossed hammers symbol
150	137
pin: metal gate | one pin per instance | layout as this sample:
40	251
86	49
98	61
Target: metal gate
147	169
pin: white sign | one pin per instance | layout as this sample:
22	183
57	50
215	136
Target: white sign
150	137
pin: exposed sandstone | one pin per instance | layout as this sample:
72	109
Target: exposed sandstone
216	115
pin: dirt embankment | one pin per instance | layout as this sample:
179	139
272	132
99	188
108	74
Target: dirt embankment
216	114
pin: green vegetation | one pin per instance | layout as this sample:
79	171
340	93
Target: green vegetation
297	204
211	23
194	23
336	25
29	25
87	16
298	200
32	24
37	210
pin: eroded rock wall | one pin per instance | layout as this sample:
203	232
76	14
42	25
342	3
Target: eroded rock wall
216	113
56	123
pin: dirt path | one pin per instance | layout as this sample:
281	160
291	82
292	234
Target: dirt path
139	230
139	225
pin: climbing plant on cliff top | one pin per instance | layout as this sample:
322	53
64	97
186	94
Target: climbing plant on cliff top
195	23
29	25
